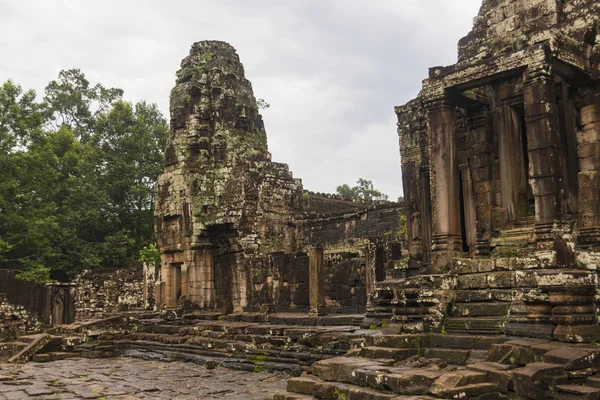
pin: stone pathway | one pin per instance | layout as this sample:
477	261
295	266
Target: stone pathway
127	379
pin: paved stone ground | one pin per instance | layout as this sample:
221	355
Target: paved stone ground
127	378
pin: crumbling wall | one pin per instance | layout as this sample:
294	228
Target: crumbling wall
16	320
32	296
99	292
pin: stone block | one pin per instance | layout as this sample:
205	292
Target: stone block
577	392
540	331
473	281
511	354
574	358
504	279
410	382
538	380
577	333
304	385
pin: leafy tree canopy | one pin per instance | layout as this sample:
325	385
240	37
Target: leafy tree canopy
363	190
79	172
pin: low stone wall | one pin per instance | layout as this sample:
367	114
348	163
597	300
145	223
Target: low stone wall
15	319
112	290
32	296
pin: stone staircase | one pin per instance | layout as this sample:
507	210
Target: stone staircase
250	341
411	367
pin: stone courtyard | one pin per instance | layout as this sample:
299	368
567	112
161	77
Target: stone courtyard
127	379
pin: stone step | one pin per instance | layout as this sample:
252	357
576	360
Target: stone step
577	392
396	341
338	390
476	325
463	341
37	344
302	384
450	356
394	383
479	309
291	396
375	352
593	381
467	391
340	368
496	373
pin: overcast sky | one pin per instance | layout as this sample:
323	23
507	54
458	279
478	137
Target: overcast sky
332	70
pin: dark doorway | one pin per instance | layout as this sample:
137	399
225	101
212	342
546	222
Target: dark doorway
517	195
379	263
176	280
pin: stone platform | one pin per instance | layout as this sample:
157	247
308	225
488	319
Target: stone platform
346	357
125	378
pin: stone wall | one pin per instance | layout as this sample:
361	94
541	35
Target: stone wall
15	320
32	296
100	292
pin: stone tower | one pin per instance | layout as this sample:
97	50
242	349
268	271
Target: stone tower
220	198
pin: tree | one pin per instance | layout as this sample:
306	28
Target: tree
78	180
364	190
72	101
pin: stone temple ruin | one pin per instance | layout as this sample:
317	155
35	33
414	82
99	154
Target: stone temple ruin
235	230
483	284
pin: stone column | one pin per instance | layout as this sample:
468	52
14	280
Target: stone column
543	139
447	238
588	150
201	278
316	280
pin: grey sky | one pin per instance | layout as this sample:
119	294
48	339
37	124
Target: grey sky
332	69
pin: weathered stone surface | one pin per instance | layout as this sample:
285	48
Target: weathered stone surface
37	343
538	380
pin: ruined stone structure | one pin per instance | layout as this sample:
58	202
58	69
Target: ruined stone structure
500	161
235	230
490	291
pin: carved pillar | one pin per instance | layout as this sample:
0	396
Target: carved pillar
414	154
543	146
316	280
588	149
484	172
444	184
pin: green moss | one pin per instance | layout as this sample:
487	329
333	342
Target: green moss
222	318
258	358
340	395
259	368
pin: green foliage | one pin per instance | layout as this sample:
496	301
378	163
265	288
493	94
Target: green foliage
306	199
149	254
78	180
364	190
262	104
402	225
